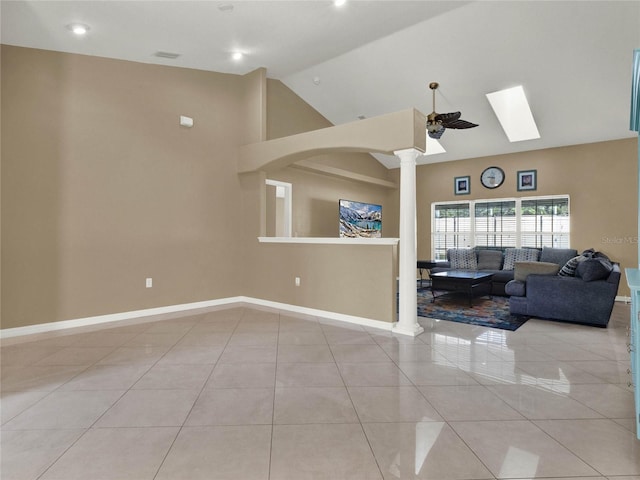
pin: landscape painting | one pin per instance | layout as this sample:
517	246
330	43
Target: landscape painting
358	219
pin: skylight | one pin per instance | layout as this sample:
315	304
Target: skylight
434	147
513	112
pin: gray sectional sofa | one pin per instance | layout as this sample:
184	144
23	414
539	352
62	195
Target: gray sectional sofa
585	297
583	291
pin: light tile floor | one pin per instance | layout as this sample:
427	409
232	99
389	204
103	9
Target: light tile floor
248	394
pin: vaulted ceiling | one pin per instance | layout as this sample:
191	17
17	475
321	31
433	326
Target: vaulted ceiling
368	58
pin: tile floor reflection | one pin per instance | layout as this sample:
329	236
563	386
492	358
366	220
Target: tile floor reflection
248	394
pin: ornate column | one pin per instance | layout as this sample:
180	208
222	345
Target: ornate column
408	299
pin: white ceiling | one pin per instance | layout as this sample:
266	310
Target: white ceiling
375	57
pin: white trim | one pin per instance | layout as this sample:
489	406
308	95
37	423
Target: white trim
13	333
342	317
60	326
112	317
412	330
330	240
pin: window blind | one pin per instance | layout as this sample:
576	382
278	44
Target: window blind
495	224
545	222
453	222
511	222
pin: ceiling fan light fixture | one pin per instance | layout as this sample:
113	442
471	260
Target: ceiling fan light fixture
434	126
438	122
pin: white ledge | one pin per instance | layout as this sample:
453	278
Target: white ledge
331	240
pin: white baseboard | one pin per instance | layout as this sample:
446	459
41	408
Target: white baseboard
113	317
341	317
230	302
52	327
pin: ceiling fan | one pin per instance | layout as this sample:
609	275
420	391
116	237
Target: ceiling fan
438	122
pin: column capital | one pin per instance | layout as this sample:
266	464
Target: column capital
407	155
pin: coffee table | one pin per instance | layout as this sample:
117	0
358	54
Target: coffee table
426	265
470	282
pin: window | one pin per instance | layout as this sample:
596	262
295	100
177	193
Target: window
453	224
545	222
495	223
512	222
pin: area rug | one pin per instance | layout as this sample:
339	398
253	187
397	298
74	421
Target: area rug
487	312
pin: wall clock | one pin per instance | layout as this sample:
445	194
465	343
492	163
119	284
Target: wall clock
492	177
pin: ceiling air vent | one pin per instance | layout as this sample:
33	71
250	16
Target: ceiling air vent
170	55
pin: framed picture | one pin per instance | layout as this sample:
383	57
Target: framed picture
358	219
462	185
527	180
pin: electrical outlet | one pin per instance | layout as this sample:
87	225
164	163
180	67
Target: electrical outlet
149	282
297	281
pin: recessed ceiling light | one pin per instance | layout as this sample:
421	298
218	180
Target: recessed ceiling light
339	3
513	112
78	28
237	55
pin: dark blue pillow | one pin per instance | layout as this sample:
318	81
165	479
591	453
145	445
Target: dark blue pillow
594	269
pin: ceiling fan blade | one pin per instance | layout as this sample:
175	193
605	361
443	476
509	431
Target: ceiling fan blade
438	122
447	117
452	120
459	124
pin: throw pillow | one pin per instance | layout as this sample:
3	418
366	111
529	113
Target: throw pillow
569	268
557	255
489	259
591	253
594	269
524	269
462	259
513	255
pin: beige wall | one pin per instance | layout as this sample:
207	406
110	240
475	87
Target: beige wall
315	202
600	179
354	280
288	114
101	188
315	196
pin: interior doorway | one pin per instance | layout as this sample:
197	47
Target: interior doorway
279	210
